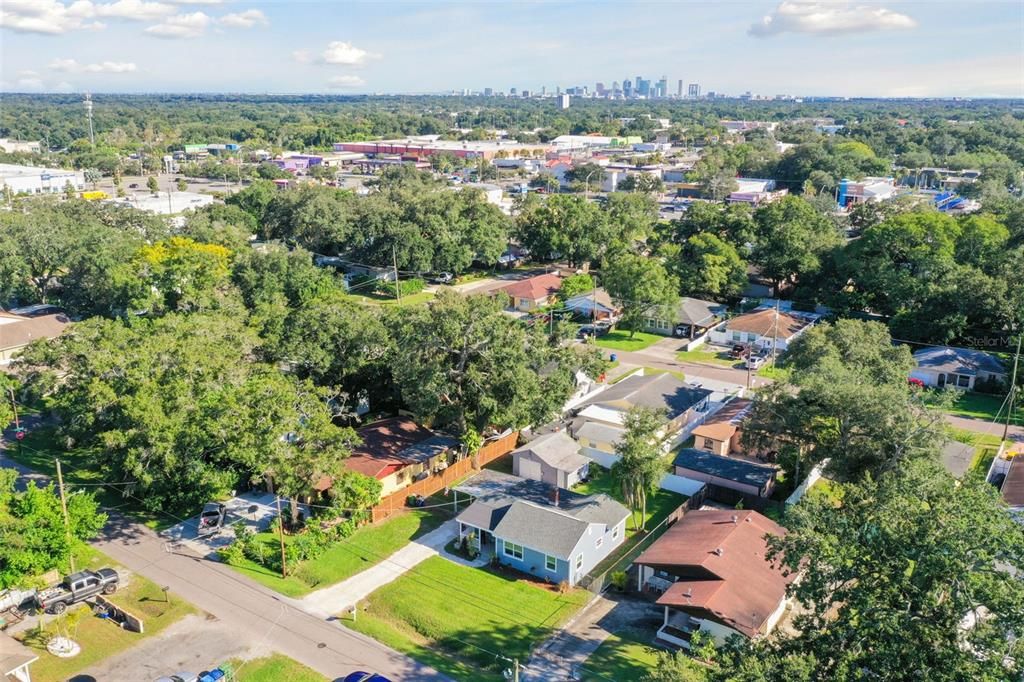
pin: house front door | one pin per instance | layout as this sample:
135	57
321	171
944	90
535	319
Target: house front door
942	380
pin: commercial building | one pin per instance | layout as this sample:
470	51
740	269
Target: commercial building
755	191
589	141
19	146
415	147
35	180
563	101
869	189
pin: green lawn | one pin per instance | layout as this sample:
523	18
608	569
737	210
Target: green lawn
275	668
457	619
659	505
984	406
708	356
619	339
774	372
101	639
369	545
828	490
623	657
379	299
986	445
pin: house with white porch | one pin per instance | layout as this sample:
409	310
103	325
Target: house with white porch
711	574
15	659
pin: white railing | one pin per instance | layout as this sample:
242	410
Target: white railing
806	484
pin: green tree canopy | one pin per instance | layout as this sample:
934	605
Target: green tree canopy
639	285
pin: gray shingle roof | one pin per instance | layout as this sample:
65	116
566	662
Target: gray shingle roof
557	450
523	511
540	528
724	467
601	433
958	361
660	391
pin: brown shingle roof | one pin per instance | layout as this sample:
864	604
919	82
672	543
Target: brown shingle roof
1013	485
378	455
17	331
767	322
534	288
723	424
724	571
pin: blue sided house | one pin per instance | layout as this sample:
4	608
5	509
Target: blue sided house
549	533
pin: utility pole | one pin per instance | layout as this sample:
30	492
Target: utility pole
515	670
64	508
394	264
280	533
775	331
1013	388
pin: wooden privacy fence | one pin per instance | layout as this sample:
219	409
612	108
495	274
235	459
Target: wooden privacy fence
492	450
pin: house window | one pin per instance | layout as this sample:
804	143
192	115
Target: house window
709	445
736	336
551	563
751	337
579	561
600	541
963	380
513	550
615	533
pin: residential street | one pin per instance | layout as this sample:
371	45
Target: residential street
662	355
255	613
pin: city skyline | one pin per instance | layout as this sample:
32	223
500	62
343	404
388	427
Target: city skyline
854	49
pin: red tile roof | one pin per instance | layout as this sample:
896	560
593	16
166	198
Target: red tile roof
17	330
534	288
724	572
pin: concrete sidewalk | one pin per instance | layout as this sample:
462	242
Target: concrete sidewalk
332	600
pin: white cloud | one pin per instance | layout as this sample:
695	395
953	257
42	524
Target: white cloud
181	26
29	84
246	19
72	66
346	82
28	73
134	10
48	17
800	16
340	52
302	56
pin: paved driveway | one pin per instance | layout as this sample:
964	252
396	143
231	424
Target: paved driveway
255	510
332	600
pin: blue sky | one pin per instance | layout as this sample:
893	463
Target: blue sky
831	47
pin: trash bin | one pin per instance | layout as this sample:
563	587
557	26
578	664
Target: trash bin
614	357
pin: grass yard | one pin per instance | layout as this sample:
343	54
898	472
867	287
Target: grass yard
456	618
707	356
774	372
622	657
827	490
986	446
367	546
619	339
984	406
378	299
275	668
101	639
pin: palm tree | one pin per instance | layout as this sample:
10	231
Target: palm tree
640	467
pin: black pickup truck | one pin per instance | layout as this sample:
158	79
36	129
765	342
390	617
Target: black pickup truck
77	587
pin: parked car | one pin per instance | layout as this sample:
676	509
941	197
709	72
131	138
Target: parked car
443	278
134	185
755	361
361	676
212	518
681	331
76	588
597	329
738	351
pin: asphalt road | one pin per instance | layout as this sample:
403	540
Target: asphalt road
254	612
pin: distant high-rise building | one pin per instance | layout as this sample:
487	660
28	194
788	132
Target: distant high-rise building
599	89
488	92
543	90
563	101
512	92
616	89
643	87
627	88
661	90
679	88
526	93
692	90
